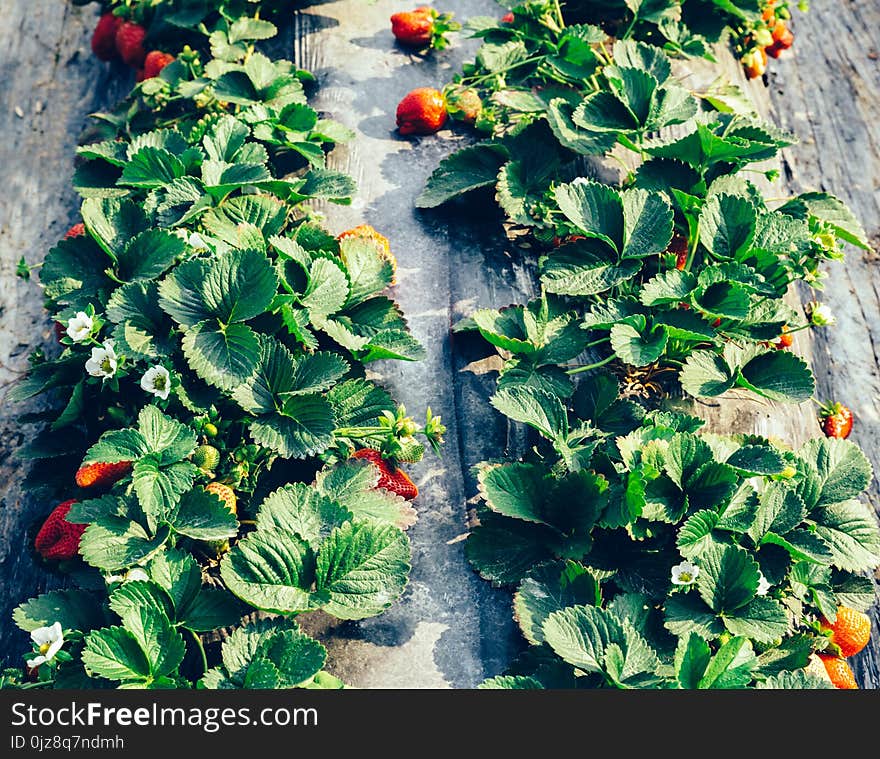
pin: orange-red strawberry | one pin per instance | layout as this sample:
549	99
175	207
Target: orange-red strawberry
414	28
59	539
422	111
850	632
366	232
100	474
225	494
77	230
104	37
392	479
785	339
783	39
507	18
837	420
130	43
840	672
155	61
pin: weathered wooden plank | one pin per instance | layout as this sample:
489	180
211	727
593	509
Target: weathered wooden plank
827	91
50	82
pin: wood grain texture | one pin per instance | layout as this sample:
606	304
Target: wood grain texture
827	91
49	82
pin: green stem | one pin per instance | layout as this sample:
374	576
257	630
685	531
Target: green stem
599	341
587	368
357	432
31	686
201	647
629	144
559	18
505	69
630	27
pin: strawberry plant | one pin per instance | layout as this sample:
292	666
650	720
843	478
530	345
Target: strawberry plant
677	271
638	544
206	418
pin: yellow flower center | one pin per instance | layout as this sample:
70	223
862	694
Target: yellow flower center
44	649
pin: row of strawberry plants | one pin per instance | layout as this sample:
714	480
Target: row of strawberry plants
207	421
678	270
644	553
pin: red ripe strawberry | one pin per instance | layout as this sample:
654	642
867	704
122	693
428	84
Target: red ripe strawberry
77	230
850	631
837	420
785	339
393	480
422	111
59	539
414	28
840	672
130	43
100	474
155	62
679	246
104	37
507	18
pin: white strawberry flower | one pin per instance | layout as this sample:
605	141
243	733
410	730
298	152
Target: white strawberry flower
136	573
104	361
157	380
821	315
48	642
763	585
79	328
685	573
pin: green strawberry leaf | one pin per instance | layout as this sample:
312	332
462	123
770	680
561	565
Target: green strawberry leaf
727	225
549	588
729	578
539	410
850	530
361	569
270	570
778	375
203	516
74	610
302	510
465	170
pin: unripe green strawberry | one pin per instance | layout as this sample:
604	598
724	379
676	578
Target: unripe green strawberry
210	429
206	458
